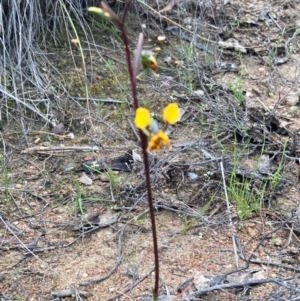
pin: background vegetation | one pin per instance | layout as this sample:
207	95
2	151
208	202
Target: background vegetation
226	196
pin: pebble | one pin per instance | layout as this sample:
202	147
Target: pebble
192	176
251	232
293	109
71	136
84	179
292	99
201	282
278	241
199	93
293	250
59	210
70	166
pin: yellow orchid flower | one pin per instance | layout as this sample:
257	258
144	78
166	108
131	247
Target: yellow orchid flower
171	113
142	118
157	138
158	141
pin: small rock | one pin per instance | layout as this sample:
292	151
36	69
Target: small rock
70	166
103	178
293	109
278	241
199	93
293	250
201	282
19	186
292	99
258	275
84	275
192	176
232	43
252	232
71	136
89	74
289	260
136	157
187	21
58	210
165	85
58	129
85	180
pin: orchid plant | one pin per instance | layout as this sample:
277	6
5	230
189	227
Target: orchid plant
152	137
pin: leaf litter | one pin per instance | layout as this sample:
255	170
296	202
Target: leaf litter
194	232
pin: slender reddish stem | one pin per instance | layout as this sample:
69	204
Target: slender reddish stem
144	143
152	215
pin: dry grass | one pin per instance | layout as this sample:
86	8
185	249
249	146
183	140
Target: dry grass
220	140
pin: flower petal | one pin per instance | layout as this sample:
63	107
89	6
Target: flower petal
171	113
158	141
142	118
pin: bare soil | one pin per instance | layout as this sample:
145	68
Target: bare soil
103	250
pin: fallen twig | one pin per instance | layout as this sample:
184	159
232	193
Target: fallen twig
69	292
131	286
97	99
229	215
238	284
118	262
61	148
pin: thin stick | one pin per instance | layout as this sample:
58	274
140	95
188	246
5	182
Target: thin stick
229	216
131	287
118	262
238	284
